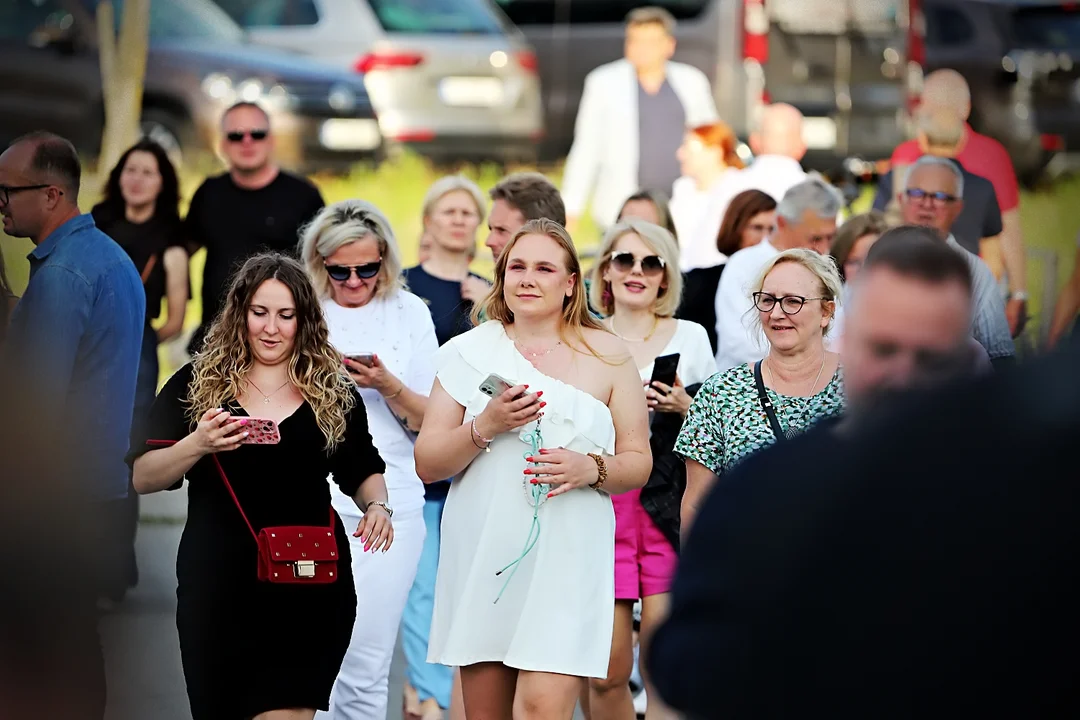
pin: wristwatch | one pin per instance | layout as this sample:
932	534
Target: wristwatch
385	506
1019	295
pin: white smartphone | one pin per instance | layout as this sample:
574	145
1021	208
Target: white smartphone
494	385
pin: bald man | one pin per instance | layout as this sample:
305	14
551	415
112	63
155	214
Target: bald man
778	148
978	226
778	151
984	156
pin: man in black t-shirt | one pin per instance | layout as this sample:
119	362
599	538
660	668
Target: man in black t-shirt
253	207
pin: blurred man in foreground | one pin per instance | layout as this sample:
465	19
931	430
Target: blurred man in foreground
922	565
909	320
915	560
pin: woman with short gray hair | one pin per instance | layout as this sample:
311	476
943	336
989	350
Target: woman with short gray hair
798	383
387	342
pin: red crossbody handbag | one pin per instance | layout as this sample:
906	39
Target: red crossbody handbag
291	554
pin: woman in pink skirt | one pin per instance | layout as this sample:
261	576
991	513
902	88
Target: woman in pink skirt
637	286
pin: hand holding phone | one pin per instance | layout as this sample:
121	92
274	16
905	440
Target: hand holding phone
510	407
664	369
219	431
365	359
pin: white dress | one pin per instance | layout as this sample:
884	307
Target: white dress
556	613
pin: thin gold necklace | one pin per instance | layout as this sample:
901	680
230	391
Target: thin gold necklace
534	355
772	379
655	324
266	398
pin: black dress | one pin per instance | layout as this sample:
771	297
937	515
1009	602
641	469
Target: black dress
249	646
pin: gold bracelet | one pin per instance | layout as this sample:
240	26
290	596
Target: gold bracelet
601	469
400	390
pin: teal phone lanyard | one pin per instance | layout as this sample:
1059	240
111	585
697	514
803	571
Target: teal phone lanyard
536	494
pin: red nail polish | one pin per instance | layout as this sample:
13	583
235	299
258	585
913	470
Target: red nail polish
539	393
543	404
550	494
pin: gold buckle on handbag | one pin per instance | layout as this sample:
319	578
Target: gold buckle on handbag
304	569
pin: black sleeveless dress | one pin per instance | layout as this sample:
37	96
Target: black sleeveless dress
249	646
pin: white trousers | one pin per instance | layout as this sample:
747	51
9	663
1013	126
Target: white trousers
382	587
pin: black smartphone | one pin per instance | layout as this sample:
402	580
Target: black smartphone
664	370
367	359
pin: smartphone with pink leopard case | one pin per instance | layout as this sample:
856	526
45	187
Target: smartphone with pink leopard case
261	432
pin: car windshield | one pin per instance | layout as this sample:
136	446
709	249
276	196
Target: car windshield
188	20
475	17
1047	29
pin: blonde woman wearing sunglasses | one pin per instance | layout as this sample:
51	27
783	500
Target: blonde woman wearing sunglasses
386	337
637	287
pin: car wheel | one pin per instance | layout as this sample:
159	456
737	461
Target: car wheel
167	130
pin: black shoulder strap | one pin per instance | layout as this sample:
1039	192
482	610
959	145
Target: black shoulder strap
766	403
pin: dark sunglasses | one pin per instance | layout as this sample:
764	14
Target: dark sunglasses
790	304
366	271
6	191
625	262
938	198
238	135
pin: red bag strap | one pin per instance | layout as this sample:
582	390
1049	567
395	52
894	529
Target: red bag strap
228	486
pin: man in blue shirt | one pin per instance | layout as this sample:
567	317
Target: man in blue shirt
72	351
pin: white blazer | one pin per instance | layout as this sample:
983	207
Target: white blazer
604	155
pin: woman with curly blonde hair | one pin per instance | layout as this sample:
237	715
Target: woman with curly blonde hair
254	647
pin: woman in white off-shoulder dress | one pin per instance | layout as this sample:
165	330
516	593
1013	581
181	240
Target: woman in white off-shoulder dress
525	591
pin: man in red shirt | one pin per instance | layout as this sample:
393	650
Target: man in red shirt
981	155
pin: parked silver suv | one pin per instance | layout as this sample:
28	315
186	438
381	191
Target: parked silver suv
453	79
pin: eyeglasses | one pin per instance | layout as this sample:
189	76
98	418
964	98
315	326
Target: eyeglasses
938	198
6	191
790	304
341	273
236	136
625	262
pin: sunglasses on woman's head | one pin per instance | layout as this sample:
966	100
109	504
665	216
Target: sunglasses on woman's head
366	271
625	262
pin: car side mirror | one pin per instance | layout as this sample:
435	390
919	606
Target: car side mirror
57	33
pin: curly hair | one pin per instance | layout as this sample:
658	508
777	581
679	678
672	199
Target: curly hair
314	369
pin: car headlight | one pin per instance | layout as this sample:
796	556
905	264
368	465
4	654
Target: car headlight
342	98
225	90
218	87
249	91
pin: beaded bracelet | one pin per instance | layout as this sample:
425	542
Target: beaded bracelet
476	434
601	471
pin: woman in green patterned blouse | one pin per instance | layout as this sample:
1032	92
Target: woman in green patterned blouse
793	302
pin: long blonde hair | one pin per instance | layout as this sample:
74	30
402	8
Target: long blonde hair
575	313
314	368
